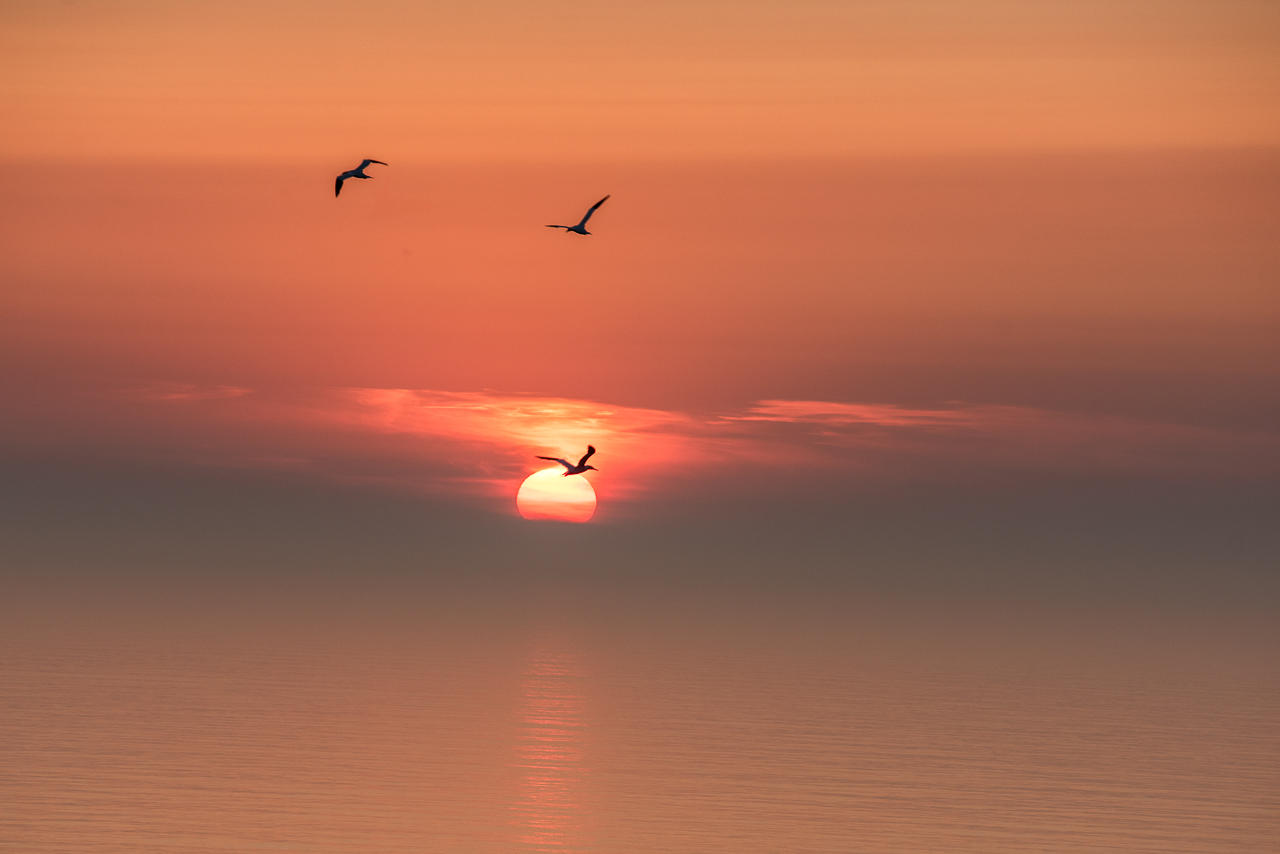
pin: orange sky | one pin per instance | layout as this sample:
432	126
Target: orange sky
503	80
1059	207
700	282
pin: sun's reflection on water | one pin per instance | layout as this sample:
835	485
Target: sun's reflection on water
548	810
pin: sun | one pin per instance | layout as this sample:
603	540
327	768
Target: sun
548	494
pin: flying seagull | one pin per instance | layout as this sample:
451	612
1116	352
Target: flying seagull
582	466
580	228
357	172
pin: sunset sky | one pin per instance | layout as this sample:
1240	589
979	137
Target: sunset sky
930	349
896	253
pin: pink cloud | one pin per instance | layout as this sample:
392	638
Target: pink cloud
479	446
1013	437
821	411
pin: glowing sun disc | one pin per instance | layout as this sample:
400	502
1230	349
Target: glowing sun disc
547	494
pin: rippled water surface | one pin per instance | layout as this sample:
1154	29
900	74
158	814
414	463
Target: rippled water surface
625	736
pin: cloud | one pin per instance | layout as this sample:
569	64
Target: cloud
478	446
826	412
1021	438
181	391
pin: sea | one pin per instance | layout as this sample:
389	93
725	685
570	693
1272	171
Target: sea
423	719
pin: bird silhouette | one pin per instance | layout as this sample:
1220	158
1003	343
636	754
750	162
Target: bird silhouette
582	466
580	228
357	172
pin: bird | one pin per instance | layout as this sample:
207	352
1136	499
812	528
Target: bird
357	172
582	466
580	228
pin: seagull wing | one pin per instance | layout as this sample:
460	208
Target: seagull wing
337	187
590	450
367	161
593	210
559	226
564	463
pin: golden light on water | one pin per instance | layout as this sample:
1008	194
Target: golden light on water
550	752
548	494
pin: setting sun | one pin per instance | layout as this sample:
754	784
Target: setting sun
548	494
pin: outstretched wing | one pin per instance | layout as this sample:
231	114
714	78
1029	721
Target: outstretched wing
559	226
590	448
593	210
564	463
337	187
367	161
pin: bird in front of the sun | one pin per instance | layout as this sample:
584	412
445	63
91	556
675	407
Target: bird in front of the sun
581	228
357	172
570	468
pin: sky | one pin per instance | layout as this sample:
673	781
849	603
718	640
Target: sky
962	292
513	81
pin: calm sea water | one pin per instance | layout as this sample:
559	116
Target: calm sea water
558	734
